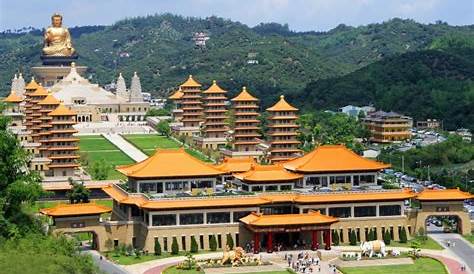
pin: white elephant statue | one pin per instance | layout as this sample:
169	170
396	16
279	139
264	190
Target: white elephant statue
373	247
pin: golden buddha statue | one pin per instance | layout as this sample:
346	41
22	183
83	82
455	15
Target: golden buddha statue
57	40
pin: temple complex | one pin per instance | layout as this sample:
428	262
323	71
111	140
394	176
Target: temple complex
283	132
165	201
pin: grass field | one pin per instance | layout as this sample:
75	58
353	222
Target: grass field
148	143
428	244
470	238
421	266
97	148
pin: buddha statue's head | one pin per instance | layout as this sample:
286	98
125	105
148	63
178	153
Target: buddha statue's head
57	20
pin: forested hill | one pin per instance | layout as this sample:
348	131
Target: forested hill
160	48
436	83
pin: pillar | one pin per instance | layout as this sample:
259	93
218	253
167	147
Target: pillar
270	242
314	239
327	239
256	243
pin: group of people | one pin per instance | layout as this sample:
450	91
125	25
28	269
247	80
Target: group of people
303	263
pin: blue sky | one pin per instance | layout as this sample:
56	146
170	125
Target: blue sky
301	15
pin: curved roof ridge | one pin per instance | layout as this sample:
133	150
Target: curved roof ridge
282	105
244	95
215	88
190	82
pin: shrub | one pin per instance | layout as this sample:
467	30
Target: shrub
335	237
386	237
194	245
403	235
352	238
157	248
213	243
229	241
174	246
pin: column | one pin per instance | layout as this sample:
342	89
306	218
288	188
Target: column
327	239
270	242
256	243
314	240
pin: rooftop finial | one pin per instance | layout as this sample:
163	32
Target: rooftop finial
282	96
73	64
244	88
120	74
190	76
213	82
135	73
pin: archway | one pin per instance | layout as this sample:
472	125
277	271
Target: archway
85	239
449	223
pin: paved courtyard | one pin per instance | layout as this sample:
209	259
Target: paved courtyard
460	247
127	148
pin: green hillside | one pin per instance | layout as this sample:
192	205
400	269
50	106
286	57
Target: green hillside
435	83
162	51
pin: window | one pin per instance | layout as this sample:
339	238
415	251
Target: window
201	184
191	218
239	214
164	219
390	210
271	188
340	212
201	241
183	242
356	180
237	242
219	240
257	188
285	187
218	217
176	186
313	181
365	211
116	243
321	210
148	187
165	243
367	179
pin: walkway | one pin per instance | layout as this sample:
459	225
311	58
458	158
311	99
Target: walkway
133	152
104	264
462	248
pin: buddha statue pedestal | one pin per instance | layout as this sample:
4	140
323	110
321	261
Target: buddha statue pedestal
58	60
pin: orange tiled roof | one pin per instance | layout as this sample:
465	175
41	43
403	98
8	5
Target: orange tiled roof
310	218
282	105
214	88
331	158
190	83
267	173
244	95
40	91
231	165
443	195
49	100
254	200
169	163
75	209
62	110
177	95
13	98
32	84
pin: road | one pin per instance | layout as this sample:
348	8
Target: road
104	264
462	248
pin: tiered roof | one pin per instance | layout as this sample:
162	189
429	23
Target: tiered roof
256	200
267	173
32	85
244	95
282	105
443	195
13	98
167	163
63	210
332	158
246	122
310	218
62	110
177	95
232	165
190	82
191	103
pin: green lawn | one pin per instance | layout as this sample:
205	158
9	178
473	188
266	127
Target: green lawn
470	238
148	143
421	266
428	244
173	270
96	148
128	260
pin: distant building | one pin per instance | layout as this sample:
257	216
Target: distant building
200	39
428	124
354	111
387	127
464	133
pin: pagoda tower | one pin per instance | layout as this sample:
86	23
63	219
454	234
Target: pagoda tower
177	112
34	98
29	89
48	104
215	126
246	126
283	131
62	145
192	107
13	110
